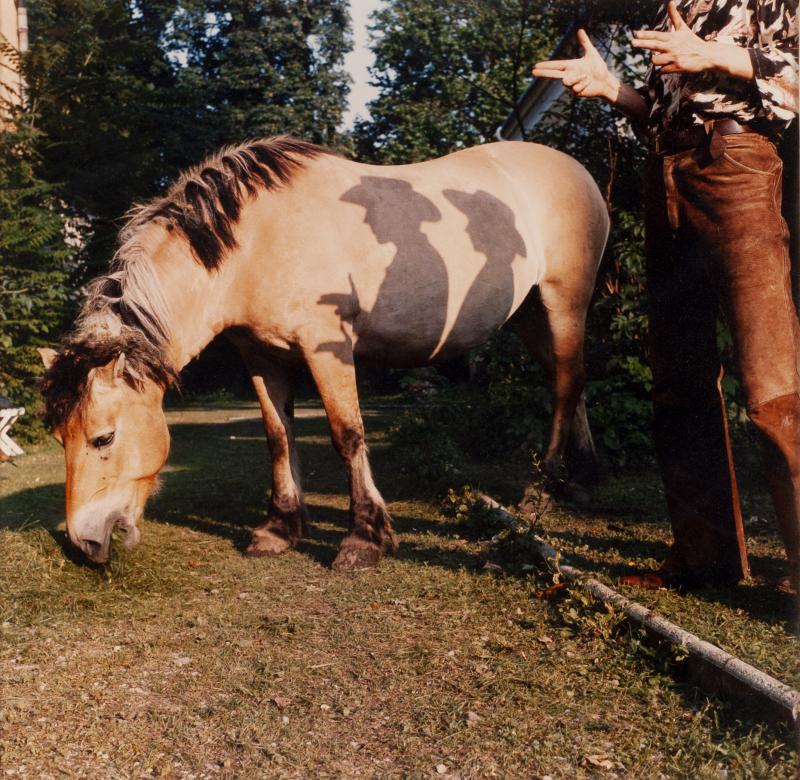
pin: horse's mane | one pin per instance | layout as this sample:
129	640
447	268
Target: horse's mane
205	202
125	310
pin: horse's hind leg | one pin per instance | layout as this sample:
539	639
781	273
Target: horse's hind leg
370	526
551	323
286	517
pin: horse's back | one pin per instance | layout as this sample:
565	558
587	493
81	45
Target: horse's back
429	259
543	196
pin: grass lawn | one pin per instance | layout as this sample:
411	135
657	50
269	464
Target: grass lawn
185	659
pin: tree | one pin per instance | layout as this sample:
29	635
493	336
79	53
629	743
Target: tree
266	67
128	92
448	73
34	265
104	96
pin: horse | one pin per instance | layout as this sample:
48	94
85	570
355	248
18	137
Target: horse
305	257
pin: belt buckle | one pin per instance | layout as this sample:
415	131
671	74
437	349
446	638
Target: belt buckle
658	144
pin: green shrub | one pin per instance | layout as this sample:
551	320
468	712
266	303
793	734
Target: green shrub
33	272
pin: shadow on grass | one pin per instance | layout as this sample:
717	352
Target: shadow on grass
323	542
217	482
760	601
630	549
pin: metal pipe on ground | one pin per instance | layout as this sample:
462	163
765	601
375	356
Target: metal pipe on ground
711	667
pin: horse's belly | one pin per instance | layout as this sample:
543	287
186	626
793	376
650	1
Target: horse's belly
420	334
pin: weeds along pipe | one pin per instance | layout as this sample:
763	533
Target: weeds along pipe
711	667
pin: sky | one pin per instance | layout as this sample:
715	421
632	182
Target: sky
358	61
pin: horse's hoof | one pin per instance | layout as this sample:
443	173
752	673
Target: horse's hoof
267	544
577	494
356	556
536	503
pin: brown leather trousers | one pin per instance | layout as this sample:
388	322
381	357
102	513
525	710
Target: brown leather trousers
715	239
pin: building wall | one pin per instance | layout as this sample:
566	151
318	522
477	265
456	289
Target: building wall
13	29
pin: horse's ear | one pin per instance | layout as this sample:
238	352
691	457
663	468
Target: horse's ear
119	366
112	372
48	356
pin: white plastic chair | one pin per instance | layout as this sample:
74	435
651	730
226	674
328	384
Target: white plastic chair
8	446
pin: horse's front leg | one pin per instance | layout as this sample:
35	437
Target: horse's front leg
370	525
286	518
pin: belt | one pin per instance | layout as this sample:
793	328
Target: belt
711	133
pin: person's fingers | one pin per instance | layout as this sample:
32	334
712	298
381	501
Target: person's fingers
662	59
652	44
548	73
541	68
556	64
586	42
587	87
572	79
675	15
655	34
672	68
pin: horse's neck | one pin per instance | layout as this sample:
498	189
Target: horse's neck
195	299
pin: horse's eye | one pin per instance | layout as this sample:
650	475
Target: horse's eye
103	441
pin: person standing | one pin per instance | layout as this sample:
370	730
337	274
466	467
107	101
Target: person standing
721	88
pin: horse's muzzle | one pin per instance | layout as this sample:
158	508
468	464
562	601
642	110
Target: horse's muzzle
95	539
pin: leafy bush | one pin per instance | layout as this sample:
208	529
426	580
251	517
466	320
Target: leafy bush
424	446
620	380
474	518
507	407
33	271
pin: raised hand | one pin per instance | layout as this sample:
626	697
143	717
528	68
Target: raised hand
587	76
679	50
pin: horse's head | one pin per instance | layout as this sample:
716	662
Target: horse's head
110	422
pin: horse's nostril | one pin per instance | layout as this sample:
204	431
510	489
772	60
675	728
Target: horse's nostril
92	548
129	535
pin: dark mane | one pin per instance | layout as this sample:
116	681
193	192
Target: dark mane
125	310
205	202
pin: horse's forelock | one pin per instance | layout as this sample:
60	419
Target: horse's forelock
65	384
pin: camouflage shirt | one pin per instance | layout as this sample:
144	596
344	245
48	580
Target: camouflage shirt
768	30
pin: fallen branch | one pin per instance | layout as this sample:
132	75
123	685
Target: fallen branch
712	667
